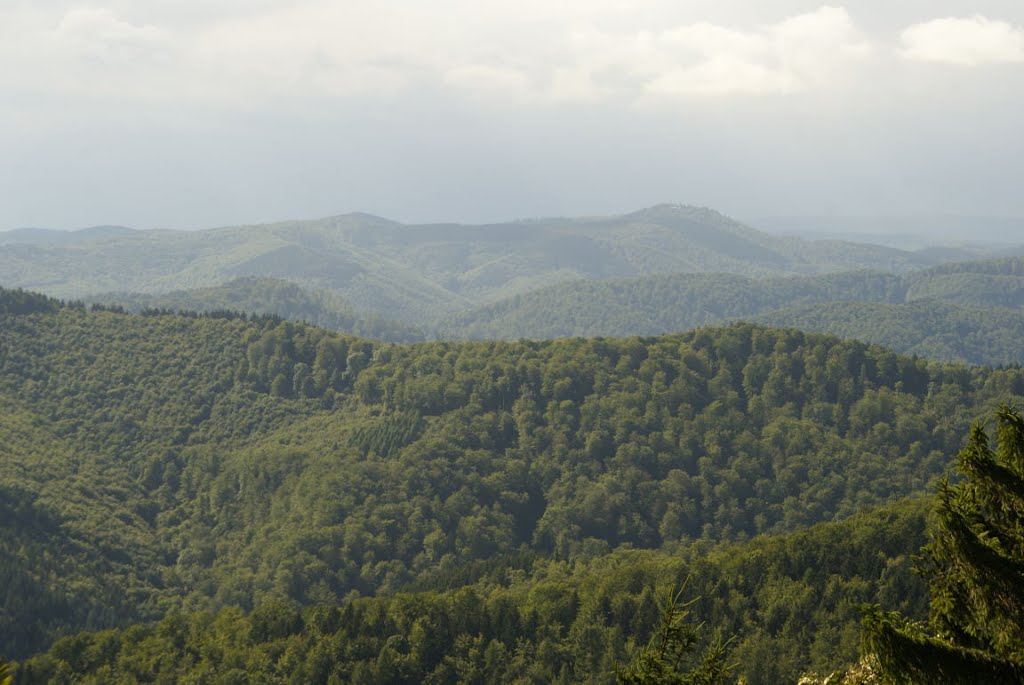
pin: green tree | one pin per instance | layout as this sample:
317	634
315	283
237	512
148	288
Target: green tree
975	566
666	659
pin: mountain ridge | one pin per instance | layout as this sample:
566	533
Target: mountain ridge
419	273
983	299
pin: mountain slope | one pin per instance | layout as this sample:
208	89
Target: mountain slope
965	311
987	283
419	273
269	296
926	328
200	462
785	600
659	304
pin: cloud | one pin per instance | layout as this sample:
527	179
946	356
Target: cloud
296	52
723	75
968	41
84	51
575	84
491	81
527	52
99	35
708	60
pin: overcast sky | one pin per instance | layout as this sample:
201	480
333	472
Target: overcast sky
195	113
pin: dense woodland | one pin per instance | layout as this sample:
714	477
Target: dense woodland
968	312
790	601
300	505
965	311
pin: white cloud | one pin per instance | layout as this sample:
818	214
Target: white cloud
304	50
723	75
84	51
99	35
968	41
707	60
575	85
526	52
815	45
491	82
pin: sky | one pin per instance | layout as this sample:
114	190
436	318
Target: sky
198	113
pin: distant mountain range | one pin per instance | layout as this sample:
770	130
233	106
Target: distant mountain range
662	269
906	232
421	273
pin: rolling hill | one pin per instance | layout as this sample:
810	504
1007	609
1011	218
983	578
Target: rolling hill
964	311
157	464
254	295
421	273
927	328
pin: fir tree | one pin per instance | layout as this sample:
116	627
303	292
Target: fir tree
665	660
975	566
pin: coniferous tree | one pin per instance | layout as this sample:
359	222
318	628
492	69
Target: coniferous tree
975	566
666	659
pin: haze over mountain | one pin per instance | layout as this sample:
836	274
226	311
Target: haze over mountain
418	274
962	311
905	232
254	295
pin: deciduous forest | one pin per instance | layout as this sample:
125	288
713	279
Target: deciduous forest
221	497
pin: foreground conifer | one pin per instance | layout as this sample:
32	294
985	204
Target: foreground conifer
975	566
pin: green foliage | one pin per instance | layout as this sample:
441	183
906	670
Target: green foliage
166	466
665	659
25	302
906	653
975	566
968	311
788	599
937	330
388	435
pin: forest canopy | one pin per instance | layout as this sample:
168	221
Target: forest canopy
189	470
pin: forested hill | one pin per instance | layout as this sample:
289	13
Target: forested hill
660	304
270	296
160	462
787	600
420	273
937	330
966	311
